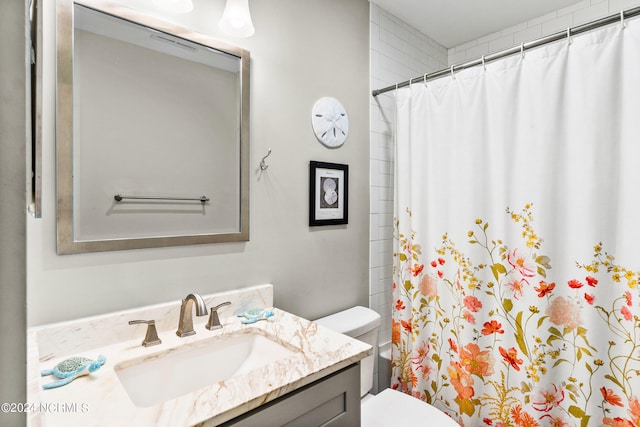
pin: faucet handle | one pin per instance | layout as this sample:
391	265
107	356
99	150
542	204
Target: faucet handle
151	338
214	320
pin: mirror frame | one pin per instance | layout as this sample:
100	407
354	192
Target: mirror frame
66	243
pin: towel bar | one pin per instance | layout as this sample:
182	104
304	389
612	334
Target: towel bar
120	197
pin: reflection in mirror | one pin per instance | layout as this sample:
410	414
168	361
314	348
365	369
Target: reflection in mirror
152	133
35	181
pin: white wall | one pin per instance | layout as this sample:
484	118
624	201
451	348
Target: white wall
398	53
571	16
315	271
14	132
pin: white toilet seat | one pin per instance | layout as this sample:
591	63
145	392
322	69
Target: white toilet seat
391	408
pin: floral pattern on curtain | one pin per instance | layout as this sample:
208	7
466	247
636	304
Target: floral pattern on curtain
530	327
515	281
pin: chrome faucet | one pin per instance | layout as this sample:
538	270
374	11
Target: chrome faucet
185	325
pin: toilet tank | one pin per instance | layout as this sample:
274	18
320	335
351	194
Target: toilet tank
362	324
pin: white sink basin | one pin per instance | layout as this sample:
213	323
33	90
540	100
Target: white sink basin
163	376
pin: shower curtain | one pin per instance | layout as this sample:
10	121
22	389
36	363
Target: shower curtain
517	237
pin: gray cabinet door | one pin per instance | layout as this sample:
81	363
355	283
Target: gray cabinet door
333	401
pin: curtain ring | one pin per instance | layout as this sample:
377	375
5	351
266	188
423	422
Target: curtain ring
522	49
396	89
484	65
569	35
425	79
624	24
452	76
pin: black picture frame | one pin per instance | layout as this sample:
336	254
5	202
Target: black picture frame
328	193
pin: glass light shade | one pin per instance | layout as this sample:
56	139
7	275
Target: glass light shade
236	19
174	6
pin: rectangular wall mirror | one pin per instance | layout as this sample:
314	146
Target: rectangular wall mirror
35	149
152	132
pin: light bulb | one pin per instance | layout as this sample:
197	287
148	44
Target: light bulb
236	19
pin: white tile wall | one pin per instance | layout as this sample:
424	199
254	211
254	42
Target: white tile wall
398	53
571	16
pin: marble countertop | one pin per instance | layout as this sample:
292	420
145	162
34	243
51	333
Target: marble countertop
99	399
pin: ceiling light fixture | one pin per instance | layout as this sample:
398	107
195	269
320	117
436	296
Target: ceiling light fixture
236	19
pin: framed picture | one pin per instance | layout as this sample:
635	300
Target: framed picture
328	193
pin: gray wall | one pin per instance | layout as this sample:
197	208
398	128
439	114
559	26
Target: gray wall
302	50
13	135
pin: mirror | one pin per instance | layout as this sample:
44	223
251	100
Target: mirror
35	148
152	133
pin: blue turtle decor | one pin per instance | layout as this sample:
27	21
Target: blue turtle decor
72	368
255	314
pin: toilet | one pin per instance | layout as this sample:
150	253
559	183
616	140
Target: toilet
389	407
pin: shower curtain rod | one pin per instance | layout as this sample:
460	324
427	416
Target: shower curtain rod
611	19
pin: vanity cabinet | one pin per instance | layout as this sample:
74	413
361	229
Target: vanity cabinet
333	401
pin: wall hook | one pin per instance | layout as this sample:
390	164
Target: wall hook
263	165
